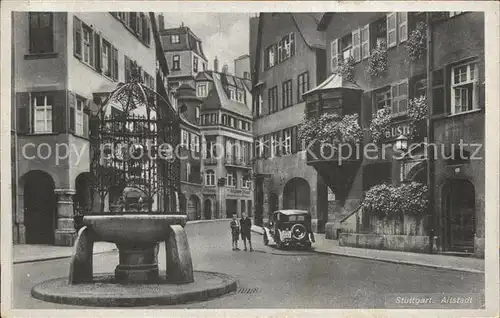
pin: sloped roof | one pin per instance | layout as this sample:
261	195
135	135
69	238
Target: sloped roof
190	44
203	76
225	102
334	81
307	23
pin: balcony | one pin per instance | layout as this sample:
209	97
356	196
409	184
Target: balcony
237	161
210	161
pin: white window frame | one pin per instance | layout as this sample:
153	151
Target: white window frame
201	90
387	104
87	44
46	111
402	21
239	96
365	42
391	30
334	51
106	58
472	77
175	39
210	178
232	93
396	99
231	177
287	142
176	60
80	104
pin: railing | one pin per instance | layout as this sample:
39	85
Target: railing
210	161
352	221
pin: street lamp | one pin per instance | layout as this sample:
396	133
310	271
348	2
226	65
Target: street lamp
401	143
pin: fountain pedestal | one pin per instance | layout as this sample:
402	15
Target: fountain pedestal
138	264
137	237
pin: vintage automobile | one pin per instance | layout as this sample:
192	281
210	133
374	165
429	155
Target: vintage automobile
289	228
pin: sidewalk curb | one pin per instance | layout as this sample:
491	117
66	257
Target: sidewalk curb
102	252
468	270
55	257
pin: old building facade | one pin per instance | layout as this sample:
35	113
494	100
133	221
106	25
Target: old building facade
60	60
457	99
183	51
226	125
288	60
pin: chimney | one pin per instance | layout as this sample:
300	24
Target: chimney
182	24
216	64
161	22
225	69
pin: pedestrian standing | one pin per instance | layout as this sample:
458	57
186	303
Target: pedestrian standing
246	226
235	232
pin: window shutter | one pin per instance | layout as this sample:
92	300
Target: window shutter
356	45
114	63
292	44
98	52
391	30
86	125
127	69
59	112
77	37
92	48
71	108
23	105
394	101
365	42
402	26
335	54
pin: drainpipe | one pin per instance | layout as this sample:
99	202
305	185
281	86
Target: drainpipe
430	137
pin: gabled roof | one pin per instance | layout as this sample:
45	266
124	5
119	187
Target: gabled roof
334	81
204	76
222	98
190	44
325	19
307	24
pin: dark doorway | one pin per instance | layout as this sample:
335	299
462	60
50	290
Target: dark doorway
460	215
40	206
273	203
296	194
231	207
192	208
207	213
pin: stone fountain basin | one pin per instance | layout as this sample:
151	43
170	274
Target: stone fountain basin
139	229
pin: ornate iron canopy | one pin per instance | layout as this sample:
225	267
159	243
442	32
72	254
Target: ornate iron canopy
133	137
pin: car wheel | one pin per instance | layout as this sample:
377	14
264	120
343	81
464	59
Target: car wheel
266	240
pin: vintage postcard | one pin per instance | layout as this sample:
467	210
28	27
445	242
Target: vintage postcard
274	159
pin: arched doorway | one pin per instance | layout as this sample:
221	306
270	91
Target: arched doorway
192	208
460	215
207	209
40	207
418	173
296	194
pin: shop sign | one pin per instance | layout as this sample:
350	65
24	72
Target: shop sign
238	192
398	129
331	195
